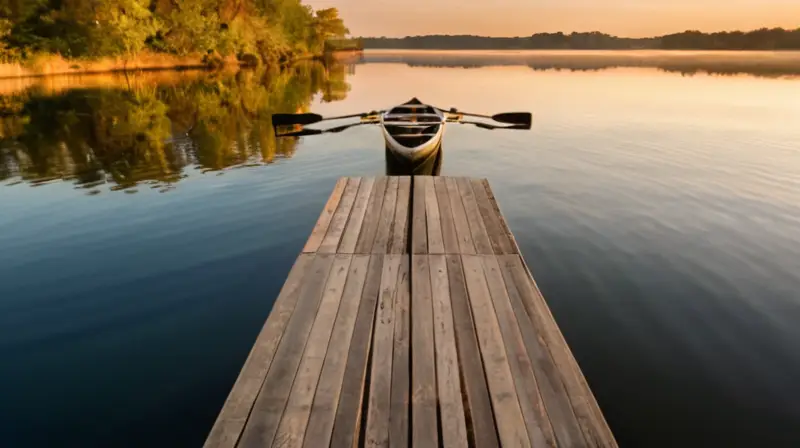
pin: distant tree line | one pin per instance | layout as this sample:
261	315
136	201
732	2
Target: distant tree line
762	39
267	29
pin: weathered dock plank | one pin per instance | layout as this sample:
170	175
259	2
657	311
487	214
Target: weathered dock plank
410	319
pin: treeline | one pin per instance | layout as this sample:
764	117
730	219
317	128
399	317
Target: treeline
763	39
264	29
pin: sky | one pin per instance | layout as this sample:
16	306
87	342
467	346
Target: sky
628	18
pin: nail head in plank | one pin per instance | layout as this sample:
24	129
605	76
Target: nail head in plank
423	376
595	429
347	425
479	408
266	414
449	235
384	230
377	433
435	239
321	228
400	227
353	228
369	228
232	418
505	401
559	409
401	373
419	230
326	399
479	236
465	243
498	234
454	430
292	428
536	418
336	228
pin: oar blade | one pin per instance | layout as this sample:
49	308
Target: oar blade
301	133
295	119
523	119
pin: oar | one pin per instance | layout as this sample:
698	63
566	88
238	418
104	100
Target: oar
306	132
491	127
513	118
306	119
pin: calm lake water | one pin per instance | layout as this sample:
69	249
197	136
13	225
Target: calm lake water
147	224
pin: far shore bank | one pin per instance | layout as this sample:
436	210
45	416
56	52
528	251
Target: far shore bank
55	65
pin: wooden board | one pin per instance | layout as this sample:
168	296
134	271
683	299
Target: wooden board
268	409
419	225
451	407
399	240
353	228
326	399
410	319
321	228
401	367
336	228
383	235
232	418
292	428
423	373
347	424
369	228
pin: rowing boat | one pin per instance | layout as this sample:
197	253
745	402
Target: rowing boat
412	131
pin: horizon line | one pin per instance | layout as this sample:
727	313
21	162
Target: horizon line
584	32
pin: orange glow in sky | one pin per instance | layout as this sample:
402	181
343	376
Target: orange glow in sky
631	18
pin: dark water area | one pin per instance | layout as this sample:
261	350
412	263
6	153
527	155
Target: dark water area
148	222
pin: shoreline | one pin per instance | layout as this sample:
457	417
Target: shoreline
55	65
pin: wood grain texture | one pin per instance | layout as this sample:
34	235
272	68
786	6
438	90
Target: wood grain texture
326	399
321	228
419	225
347	424
454	429
231	420
508	414
465	243
481	428
369	227
401	367
478	230
423	376
336	228
435	238
353	228
292	427
556	401
269	406
400	227
498	233
503	222
595	429
449	235
386	222
377	433
537	421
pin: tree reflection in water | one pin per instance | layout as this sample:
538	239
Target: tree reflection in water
140	130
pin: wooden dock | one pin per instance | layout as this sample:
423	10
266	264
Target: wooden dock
410	318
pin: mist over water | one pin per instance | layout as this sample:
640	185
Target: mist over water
147	224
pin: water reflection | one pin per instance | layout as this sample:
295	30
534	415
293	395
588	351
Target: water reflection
761	64
142	130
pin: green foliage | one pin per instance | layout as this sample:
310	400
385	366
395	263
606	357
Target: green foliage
273	29
146	133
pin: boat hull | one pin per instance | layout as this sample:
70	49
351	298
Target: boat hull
400	165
